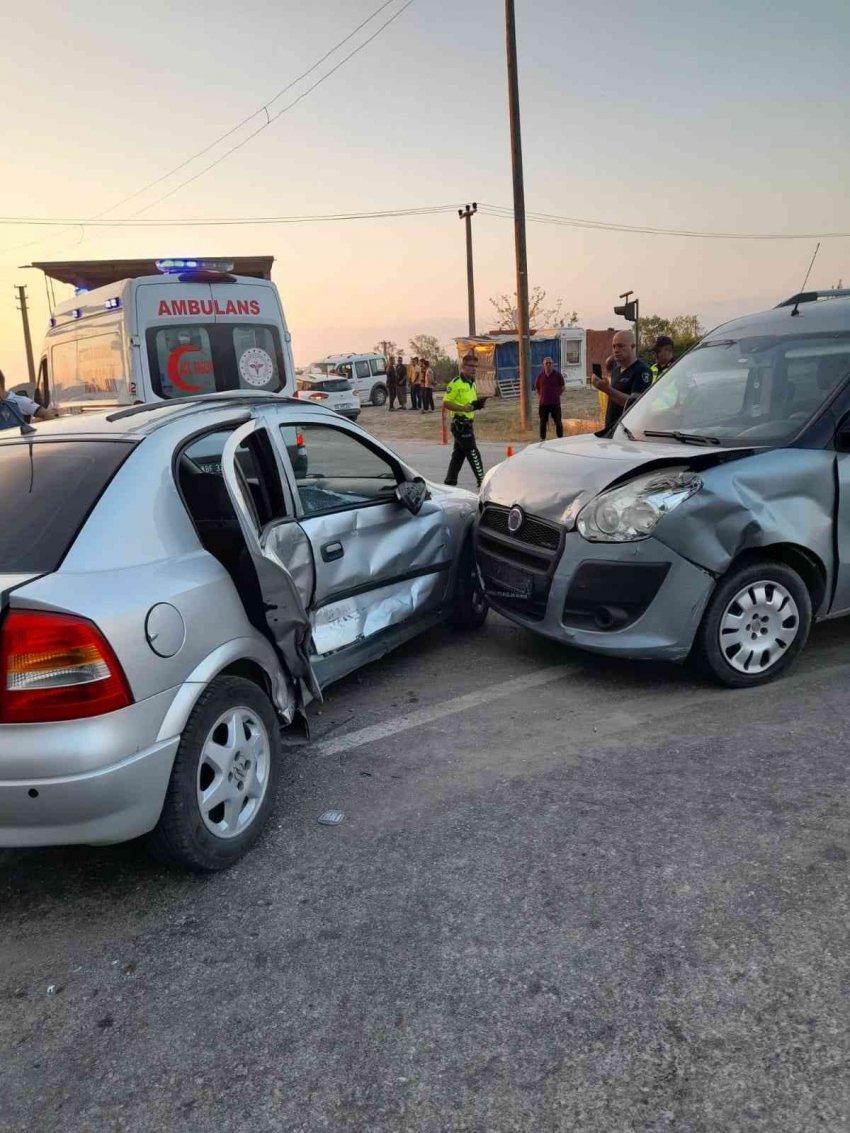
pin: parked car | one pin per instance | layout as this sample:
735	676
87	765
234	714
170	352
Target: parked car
713	523
333	392
368	372
177	580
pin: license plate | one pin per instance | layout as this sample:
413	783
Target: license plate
503	581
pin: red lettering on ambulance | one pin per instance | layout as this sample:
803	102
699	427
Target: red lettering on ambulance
218	308
231	307
163	307
242	307
194	307
206	306
255	307
178	307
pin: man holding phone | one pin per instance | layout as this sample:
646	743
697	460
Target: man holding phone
630	379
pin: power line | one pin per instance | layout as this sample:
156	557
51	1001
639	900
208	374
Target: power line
263	109
275	117
213	222
613	226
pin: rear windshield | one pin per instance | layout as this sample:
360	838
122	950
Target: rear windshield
49	487
193	358
326	385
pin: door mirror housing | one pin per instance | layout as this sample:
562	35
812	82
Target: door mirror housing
413	494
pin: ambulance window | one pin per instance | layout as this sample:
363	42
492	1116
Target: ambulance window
63	357
184	361
257	358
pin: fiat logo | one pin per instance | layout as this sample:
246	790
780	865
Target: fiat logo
515	518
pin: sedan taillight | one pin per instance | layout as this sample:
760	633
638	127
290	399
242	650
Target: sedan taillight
57	667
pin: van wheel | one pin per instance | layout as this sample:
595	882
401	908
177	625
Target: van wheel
756	623
223	782
378	396
470	607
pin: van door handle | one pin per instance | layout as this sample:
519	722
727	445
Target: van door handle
332	551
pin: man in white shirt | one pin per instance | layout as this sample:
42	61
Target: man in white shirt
15	408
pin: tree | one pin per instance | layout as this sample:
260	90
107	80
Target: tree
539	315
685	330
427	346
386	347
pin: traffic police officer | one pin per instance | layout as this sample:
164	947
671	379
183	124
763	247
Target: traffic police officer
461	399
663	349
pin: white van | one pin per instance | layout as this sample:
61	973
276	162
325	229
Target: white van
368	373
191	328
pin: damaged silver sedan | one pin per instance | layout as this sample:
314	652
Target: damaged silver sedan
714	523
179	579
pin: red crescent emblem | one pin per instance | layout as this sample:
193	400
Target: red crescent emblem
173	359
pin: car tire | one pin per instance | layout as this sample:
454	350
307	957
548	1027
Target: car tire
756	623
378	396
230	749
470	606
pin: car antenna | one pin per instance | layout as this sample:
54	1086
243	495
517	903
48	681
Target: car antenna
806	280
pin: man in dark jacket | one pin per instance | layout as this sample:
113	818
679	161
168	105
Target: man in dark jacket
392	384
549	385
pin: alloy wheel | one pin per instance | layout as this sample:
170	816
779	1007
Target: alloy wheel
233	772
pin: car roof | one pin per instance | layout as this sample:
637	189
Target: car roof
136	421
821	317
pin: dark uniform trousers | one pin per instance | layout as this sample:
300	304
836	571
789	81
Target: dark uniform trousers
465	448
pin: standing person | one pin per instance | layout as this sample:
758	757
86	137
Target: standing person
663	349
392	383
401	382
461	399
15	408
415	380
427	387
630	378
549	385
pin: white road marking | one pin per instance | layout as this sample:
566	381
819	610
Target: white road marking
438	711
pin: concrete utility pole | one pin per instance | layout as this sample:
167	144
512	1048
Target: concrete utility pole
22	299
519	221
467	214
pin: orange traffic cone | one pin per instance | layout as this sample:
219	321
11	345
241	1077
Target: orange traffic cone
509	451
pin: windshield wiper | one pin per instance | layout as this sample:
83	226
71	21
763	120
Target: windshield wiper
685	438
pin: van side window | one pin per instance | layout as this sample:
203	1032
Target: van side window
362	369
378	366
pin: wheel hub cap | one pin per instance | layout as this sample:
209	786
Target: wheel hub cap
233	772
758	626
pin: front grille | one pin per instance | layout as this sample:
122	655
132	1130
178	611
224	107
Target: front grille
517	567
536	532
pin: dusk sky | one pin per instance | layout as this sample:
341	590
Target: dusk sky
730	116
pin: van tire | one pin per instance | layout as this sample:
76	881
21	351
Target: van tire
767	589
378	396
183	837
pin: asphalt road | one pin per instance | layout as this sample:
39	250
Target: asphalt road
568	894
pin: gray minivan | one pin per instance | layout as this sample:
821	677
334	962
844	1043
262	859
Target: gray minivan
713	522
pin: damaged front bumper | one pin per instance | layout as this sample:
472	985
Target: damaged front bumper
638	600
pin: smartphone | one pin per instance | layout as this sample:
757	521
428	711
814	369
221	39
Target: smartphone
597	369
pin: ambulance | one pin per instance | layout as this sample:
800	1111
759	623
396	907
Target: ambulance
141	331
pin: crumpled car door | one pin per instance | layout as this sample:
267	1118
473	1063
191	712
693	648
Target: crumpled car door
285	592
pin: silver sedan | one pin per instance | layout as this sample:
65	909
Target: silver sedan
179	580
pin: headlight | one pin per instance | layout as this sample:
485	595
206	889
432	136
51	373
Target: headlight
632	511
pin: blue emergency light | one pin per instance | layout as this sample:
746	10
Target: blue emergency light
112	304
177	266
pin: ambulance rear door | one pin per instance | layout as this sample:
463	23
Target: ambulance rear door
252	313
174	340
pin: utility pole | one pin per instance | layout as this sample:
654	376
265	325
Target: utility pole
467	214
519	220
22	299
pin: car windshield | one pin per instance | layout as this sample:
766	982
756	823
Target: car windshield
743	391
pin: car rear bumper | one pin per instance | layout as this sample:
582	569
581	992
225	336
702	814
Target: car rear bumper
111	804
98	780
350	414
638	600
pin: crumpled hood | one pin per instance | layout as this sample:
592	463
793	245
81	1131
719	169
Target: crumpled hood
557	478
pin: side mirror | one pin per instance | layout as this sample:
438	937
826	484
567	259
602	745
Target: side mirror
412	493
